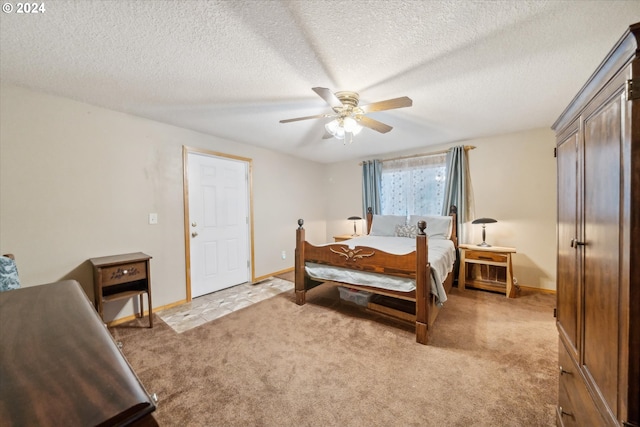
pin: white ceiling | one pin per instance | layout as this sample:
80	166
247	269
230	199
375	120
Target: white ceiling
233	69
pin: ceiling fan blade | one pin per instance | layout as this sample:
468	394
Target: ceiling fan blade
317	116
328	96
374	124
389	104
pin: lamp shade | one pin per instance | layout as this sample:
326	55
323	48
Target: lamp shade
483	221
354	218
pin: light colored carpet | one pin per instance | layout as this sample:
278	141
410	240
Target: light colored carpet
491	361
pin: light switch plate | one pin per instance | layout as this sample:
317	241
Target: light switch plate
153	218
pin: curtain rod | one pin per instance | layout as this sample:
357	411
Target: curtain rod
466	147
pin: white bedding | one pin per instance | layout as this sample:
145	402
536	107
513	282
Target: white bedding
442	256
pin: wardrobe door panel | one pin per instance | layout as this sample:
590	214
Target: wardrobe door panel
567	292
601	251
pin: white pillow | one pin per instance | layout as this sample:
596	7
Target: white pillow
407	231
438	227
385	225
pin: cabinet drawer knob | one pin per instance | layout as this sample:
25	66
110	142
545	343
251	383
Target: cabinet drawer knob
125	271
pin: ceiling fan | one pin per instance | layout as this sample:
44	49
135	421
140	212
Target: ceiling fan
349	117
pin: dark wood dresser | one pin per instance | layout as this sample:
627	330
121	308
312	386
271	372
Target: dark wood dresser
598	285
60	366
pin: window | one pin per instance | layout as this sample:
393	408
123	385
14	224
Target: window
413	186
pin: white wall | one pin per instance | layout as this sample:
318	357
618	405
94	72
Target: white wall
344	195
514	178
78	181
514	181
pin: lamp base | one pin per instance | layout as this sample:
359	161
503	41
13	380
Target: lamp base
484	243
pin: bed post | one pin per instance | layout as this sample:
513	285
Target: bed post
369	219
299	264
453	212
422	285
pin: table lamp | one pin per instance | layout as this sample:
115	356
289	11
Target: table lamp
354	219
484	222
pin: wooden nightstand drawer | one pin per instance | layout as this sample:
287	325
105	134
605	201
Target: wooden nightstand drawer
486	256
123	273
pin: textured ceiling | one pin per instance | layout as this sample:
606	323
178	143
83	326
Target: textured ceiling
233	69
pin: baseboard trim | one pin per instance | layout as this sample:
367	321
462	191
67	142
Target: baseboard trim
542	290
261	278
126	319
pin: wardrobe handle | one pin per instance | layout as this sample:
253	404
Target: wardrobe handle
563	371
563	412
575	243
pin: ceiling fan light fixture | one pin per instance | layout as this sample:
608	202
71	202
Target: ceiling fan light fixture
339	127
332	126
350	118
351	125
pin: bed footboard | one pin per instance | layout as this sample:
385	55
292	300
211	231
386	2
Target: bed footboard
413	265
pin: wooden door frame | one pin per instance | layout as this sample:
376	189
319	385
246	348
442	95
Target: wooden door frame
185	191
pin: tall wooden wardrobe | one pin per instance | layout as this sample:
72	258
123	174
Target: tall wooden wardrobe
598	289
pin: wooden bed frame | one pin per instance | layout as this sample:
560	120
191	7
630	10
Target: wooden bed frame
414	265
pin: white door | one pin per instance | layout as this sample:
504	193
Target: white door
218	223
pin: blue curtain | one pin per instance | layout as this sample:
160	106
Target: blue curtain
371	179
458	190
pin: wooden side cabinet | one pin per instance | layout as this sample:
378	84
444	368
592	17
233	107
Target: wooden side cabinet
487	268
122	276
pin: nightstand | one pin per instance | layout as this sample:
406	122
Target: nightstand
487	268
122	276
343	237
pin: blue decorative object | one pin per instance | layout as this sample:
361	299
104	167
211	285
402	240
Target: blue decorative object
8	274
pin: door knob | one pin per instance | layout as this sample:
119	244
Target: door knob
194	234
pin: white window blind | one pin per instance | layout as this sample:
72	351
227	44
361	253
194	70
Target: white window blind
413	186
